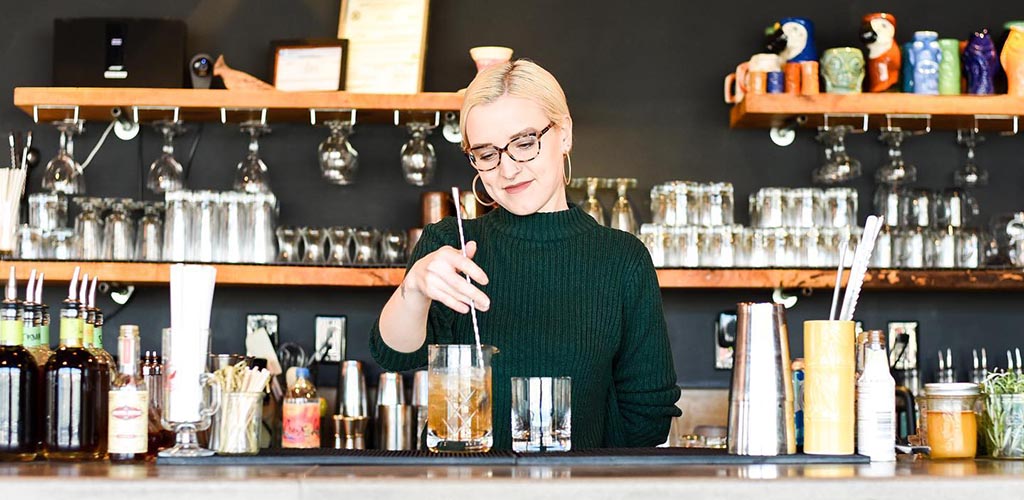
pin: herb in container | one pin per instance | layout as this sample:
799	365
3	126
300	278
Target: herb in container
1002	416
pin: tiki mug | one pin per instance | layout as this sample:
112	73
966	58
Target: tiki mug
980	63
793	40
949	67
843	70
878	32
925	56
1012	58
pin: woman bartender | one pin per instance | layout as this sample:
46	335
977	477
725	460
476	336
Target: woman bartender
557	293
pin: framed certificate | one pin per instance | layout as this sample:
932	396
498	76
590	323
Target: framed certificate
314	64
387	43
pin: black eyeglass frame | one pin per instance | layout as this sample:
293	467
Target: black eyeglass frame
535	135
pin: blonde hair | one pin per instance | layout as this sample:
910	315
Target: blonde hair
521	78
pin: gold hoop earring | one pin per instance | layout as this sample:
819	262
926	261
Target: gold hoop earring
568	174
478	200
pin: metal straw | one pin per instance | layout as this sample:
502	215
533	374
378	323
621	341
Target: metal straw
462	243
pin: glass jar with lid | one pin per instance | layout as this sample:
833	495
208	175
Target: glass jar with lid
949	422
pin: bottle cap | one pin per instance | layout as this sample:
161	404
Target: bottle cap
302	372
129	330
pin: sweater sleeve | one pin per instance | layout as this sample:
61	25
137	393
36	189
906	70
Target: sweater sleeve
439	318
644	375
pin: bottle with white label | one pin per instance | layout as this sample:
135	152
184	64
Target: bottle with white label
128	402
876	403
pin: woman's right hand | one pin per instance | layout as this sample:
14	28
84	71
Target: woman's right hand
437	276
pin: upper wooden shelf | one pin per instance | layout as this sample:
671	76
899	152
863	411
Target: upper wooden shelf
57	103
140	273
948	112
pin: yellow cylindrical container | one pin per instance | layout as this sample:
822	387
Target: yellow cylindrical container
829	387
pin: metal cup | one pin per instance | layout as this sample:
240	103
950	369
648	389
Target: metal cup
390	390
420	403
395	427
351	390
761	397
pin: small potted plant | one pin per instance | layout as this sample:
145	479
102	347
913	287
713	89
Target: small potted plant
1002	414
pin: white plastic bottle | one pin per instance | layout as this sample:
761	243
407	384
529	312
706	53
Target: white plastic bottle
876	403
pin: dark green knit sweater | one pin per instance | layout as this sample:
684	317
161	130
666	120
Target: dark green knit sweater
568	297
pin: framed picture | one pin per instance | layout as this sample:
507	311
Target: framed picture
387	44
308	65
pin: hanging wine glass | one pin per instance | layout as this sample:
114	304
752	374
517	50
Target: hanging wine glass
339	161
166	173
63	174
896	171
418	159
251	175
970	174
839	166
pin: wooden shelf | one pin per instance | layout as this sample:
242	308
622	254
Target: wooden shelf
995	112
323	276
205	105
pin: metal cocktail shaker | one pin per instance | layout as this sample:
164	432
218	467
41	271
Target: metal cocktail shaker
761	397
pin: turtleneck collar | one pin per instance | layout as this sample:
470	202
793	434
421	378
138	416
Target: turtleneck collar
542	226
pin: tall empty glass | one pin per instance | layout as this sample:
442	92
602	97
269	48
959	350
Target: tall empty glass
186	408
149	241
235	225
263	214
206	227
459	390
541	414
89	229
119	232
177	226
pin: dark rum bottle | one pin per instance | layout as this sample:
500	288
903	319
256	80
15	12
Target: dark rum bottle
19	387
74	416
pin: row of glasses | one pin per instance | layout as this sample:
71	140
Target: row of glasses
738	246
917	207
803	207
915	247
210	226
341	246
104	229
683	203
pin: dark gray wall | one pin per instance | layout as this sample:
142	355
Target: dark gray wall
644	85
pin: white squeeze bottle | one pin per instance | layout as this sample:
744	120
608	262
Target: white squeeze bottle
876	403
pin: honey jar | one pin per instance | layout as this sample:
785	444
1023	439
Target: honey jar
949	419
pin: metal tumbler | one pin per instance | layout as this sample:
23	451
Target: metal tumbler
761	397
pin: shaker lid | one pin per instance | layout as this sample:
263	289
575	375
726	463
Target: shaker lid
951	389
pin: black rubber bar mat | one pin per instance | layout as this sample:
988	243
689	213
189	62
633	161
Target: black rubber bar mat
602	457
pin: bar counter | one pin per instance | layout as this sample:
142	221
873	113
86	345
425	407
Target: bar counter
934	480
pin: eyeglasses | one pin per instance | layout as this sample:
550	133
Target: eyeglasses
521	149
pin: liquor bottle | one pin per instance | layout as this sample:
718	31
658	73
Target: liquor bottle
43	317
75	420
30	320
301	414
19	385
94	323
128	419
85	311
153	373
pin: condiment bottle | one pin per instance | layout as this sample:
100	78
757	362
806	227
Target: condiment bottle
301	414
876	402
128	415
